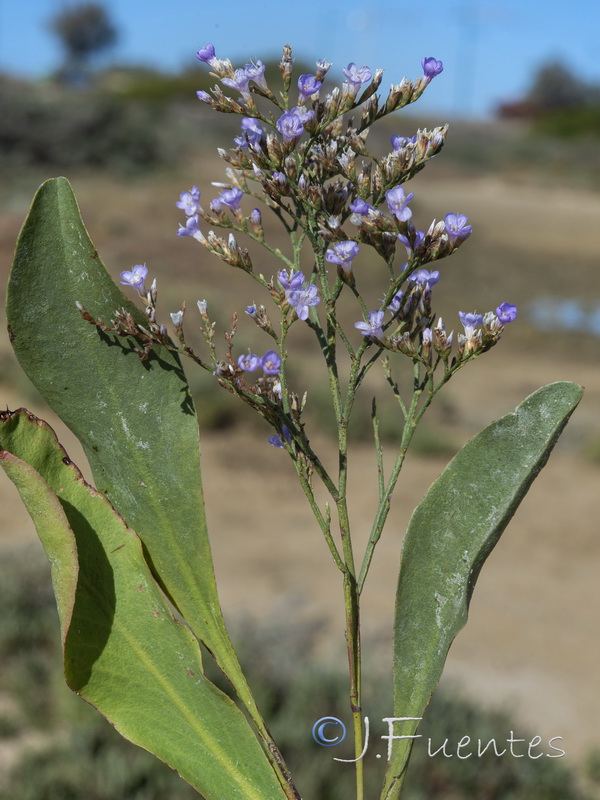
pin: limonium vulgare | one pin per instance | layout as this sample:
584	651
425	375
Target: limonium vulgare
128	552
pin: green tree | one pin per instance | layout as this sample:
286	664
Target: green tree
555	86
85	30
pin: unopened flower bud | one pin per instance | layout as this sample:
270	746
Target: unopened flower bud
291	167
232	244
286	65
322	69
426	340
177	319
404	344
274	148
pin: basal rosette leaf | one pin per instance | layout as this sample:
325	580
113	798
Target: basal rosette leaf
134	419
123	650
451	533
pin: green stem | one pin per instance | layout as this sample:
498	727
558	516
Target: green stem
378	452
324	524
351	602
232	669
412	418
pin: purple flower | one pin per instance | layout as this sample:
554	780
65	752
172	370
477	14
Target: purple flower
394	306
230	198
189	201
431	67
251	133
256	73
191	228
292	281
301	299
357	77
135	277
308	85
291	123
342	254
271	363
373	326
240	82
457	228
359	206
417	240
206	54
470	321
506	313
397	203
251	311
276	439
399	142
204	96
249	363
424	277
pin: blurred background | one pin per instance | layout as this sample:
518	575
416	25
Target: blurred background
105	93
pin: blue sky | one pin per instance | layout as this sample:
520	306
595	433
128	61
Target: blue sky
490	48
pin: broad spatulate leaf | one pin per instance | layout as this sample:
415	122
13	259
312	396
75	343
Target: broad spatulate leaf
135	419
123	650
450	535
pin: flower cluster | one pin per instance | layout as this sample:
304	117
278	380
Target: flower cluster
411	316
310	164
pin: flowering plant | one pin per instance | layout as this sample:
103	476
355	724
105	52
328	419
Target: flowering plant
128	554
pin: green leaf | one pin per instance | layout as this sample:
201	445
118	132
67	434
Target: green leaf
123	650
135	420
450	535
